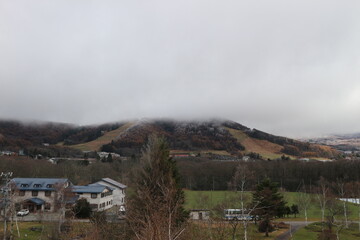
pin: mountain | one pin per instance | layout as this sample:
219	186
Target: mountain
342	142
221	137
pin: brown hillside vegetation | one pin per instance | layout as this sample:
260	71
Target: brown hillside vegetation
262	147
96	144
185	136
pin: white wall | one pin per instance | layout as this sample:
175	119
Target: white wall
118	193
41	195
102	203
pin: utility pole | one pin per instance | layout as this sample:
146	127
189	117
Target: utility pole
5	191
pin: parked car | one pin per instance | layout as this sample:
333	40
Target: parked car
23	212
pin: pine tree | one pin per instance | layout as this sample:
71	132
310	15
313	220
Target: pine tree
156	209
269	204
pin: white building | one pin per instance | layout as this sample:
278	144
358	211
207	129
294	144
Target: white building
119	190
199	214
37	194
99	196
106	154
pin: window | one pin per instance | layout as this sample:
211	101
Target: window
47	206
34	193
47	193
50	185
22	193
93	206
24	185
94	195
37	185
105	194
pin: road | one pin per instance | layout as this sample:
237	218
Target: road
294	227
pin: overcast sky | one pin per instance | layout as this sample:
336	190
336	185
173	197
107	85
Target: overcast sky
288	67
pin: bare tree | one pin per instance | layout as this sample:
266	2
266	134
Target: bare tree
11	208
62	195
334	209
353	188
240	182
304	200
322	194
340	187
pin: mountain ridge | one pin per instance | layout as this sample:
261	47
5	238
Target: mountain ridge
127	138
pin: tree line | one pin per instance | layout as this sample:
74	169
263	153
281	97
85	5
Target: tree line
203	174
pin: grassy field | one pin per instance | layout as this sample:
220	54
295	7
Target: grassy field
230	199
96	144
36	230
195	230
25	230
224	231
313	230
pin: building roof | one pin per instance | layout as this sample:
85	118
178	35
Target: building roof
199	210
114	183
97	188
37	201
39	184
101	185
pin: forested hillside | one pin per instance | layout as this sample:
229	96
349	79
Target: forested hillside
126	138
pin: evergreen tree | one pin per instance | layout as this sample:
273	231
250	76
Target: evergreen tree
109	158
156	208
269	204
82	208
294	209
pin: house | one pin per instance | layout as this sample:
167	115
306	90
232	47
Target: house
38	194
199	214
7	153
99	196
118	192
106	154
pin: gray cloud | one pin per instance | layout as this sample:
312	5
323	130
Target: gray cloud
286	67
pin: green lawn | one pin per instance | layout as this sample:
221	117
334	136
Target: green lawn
313	230
36	230
209	199
230	199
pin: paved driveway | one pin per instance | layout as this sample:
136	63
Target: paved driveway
31	217
294	226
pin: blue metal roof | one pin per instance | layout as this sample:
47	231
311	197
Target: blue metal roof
37	201
38	184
